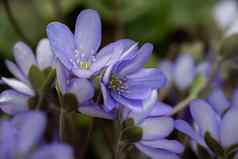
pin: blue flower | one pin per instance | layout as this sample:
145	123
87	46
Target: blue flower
127	83
21	136
217	116
83	90
183	71
156	126
15	100
79	52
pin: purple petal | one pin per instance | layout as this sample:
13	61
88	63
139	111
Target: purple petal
137	92
109	54
155	128
16	71
62	43
113	48
133	104
81	73
204	69
24	57
8	140
151	78
44	55
95	111
12	102
218	101
82	89
185	128
18	86
169	145
109	102
88	32
229	128
156	153
205	117
54	151
139	61
167	68
62	76
148	106
30	127
161	109
184	71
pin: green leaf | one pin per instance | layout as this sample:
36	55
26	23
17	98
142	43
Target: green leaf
197	85
214	145
132	134
228	48
70	102
202	152
231	149
36	77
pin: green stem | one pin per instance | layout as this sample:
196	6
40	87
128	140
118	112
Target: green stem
13	21
61	115
117	134
42	94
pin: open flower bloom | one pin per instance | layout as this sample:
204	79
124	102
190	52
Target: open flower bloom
127	83
20	136
78	52
156	126
83	90
15	99
217	116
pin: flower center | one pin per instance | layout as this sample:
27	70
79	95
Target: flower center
82	61
117	84
84	65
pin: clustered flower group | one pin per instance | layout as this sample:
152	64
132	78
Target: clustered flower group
116	74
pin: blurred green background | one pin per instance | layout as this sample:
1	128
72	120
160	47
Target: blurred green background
163	22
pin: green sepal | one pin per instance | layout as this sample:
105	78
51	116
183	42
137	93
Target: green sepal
36	77
231	150
202	152
132	134
214	145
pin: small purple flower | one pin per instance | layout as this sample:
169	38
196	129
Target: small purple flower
20	138
78	52
156	126
15	100
83	90
217	116
20	134
127	82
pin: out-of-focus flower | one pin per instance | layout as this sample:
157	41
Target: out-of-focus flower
225	12
217	116
226	16
184	70
21	136
156	125
127	83
79	52
15	99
